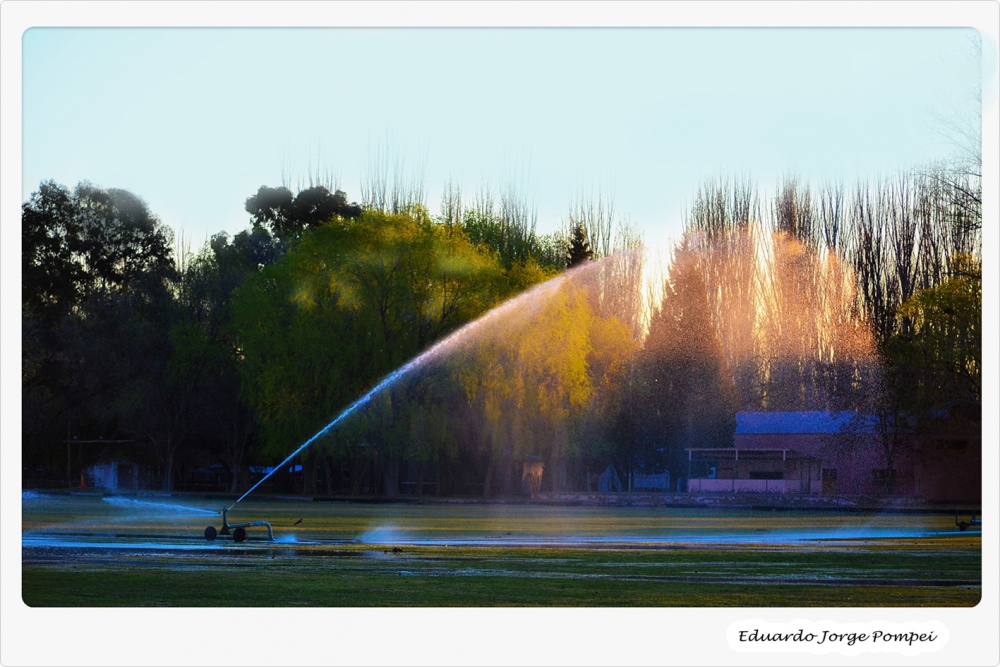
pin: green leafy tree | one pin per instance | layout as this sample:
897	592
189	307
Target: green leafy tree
508	230
99	289
91	239
225	424
542	380
350	302
287	215
51	271
934	365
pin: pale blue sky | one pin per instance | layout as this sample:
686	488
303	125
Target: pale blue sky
195	120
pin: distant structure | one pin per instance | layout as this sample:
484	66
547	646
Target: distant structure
837	453
532	468
609	481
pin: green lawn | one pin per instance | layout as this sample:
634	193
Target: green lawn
439	555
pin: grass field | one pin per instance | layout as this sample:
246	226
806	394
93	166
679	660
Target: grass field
133	552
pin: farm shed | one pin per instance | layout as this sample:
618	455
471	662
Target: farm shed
844	453
802	453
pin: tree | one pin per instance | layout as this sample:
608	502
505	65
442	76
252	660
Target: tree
225	424
50	240
99	287
783	303
542	381
596	216
579	247
596	428
288	215
91	239
167	394
390	193
690	399
348	304
507	229
50	288
938	362
123	246
793	212
933	370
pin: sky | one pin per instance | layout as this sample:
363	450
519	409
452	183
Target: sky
194	120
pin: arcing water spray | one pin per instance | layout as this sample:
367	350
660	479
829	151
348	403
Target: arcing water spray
238	530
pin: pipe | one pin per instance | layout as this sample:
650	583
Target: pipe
270	534
226	526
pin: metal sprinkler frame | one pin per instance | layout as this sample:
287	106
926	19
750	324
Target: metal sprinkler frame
973	522
236	530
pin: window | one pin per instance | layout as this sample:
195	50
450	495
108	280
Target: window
950	445
884	474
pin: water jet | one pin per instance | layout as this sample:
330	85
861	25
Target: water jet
433	352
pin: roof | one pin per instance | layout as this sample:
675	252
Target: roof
767	423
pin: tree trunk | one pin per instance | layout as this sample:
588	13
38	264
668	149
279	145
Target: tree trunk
341	477
507	475
359	468
488	482
419	490
890	486
168	469
390	476
234	475
558	476
309	475
327	477
440	488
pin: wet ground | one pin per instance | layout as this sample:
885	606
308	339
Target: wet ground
921	558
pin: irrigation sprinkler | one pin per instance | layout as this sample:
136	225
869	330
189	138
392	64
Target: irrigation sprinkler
236	530
972	522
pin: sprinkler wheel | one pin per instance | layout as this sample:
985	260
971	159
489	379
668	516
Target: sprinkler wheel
238	530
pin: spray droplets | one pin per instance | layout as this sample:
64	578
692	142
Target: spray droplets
156	508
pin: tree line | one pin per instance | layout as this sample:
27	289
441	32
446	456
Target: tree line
861	299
